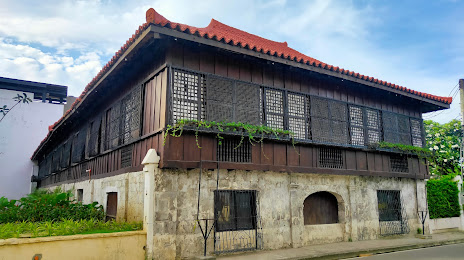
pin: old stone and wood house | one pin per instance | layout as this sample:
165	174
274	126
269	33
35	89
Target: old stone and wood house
333	185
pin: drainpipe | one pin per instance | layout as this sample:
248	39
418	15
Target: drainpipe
150	169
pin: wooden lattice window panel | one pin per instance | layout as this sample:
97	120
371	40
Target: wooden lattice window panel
274	105
66	154
248	104
78	146
126	156
396	128
44	166
330	158
188	91
416	132
357	125
93	145
298	115
230	150
122	120
373	125
329	121
399	163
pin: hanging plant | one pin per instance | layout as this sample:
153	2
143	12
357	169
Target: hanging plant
422	153
254	133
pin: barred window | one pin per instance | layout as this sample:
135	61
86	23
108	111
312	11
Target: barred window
231	150
235	210
188	95
389	205
329	121
298	115
330	158
416	132
399	163
274	108
396	128
126	156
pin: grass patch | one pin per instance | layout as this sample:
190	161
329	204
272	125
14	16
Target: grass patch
65	227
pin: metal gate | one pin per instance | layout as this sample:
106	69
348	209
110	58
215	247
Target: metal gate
392	217
237	221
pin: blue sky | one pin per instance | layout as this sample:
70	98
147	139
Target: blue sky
416	44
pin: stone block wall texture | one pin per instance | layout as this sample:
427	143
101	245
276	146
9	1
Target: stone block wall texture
129	186
280	198
280	204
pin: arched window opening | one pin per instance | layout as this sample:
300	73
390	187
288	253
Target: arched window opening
320	208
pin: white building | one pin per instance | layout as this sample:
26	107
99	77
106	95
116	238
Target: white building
22	130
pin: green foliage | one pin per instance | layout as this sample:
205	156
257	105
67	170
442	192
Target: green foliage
64	227
4	110
407	149
255	133
419	231
43	205
442	197
444	141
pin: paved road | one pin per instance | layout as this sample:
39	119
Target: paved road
439	252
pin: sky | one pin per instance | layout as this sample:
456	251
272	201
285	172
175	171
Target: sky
415	44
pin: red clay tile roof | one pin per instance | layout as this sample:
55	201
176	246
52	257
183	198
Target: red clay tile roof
230	35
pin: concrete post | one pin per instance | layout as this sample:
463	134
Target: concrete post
150	162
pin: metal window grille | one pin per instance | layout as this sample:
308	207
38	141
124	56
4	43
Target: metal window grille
416	132
66	154
94	142
78	146
329	121
330	158
298	115
274	105
399	163
126	156
188	95
392	217
237	225
356	125
232	151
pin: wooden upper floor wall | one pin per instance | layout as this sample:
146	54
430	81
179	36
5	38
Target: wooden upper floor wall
149	71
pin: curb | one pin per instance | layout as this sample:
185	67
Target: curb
350	254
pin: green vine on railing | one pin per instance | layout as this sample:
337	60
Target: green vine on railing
423	153
255	133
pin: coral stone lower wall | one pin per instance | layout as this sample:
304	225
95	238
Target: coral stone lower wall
111	246
280	198
129	186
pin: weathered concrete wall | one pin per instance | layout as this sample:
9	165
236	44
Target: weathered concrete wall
130	189
444	224
280	204
110	246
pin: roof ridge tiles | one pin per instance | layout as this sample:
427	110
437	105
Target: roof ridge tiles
221	32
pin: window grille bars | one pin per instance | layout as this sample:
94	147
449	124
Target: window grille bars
229	151
399	163
126	156
392	216
330	158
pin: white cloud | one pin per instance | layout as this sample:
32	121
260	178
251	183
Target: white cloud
67	42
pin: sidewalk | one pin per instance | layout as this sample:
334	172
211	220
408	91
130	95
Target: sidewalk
351	249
